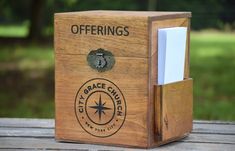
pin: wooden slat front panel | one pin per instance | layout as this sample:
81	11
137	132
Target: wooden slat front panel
129	74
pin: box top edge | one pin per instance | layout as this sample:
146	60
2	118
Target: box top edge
147	14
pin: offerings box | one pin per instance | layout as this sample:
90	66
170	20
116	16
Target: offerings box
106	89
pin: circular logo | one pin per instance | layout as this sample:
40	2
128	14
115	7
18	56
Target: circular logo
100	107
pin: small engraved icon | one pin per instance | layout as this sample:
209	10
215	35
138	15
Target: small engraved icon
100	108
100	61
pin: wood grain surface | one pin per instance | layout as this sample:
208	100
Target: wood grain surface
176	109
153	15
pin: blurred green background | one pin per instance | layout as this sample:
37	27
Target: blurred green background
27	61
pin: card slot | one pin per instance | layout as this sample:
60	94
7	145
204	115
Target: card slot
173	109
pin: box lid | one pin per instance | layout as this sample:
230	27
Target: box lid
150	14
123	33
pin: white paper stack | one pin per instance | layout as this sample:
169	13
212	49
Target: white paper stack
171	54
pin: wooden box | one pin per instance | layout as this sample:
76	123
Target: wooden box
106	88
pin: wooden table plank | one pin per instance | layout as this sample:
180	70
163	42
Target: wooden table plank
27	122
28	134
49	133
214	128
198	126
213	122
50	144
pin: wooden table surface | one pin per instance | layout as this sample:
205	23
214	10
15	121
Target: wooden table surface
38	134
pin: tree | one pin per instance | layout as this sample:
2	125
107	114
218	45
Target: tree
36	18
152	5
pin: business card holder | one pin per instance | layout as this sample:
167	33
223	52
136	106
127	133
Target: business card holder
173	110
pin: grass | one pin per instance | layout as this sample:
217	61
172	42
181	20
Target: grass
212	67
27	81
27	78
20	30
28	57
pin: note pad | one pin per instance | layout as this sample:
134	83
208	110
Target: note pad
171	54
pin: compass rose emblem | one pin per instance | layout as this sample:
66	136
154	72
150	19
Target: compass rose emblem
100	107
